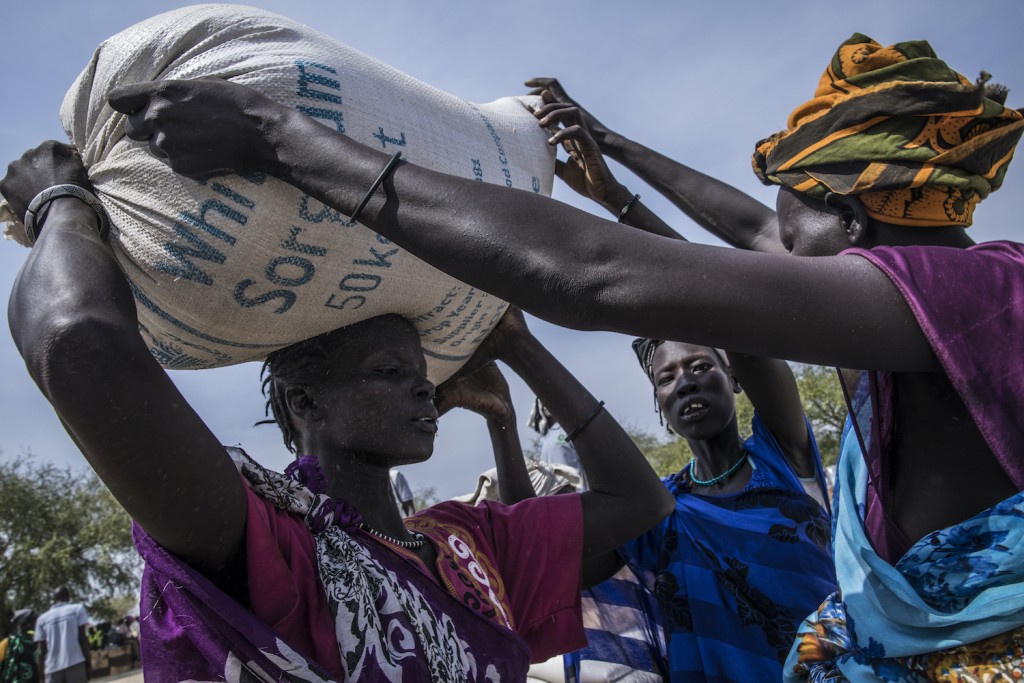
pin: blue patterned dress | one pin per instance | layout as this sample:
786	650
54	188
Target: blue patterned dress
733	576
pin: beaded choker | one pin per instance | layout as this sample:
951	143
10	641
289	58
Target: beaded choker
417	542
724	476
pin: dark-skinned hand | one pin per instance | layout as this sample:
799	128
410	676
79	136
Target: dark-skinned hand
509	330
557	94
586	171
51	163
202	127
484	391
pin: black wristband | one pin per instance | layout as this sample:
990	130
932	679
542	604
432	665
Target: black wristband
629	205
388	168
583	425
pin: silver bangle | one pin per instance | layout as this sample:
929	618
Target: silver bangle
57	192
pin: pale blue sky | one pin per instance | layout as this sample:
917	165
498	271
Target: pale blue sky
700	82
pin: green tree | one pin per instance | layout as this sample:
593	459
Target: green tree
61	527
823	401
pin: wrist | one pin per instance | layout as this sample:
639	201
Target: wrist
518	352
67	196
616	198
610	143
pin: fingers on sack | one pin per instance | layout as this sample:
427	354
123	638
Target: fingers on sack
157	146
540	82
132	97
137	128
560	108
567	134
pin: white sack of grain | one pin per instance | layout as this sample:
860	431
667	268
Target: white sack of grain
227	270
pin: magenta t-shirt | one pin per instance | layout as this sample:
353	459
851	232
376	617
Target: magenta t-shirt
529	555
970	305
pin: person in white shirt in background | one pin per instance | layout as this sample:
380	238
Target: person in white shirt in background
554	448
63	645
402	493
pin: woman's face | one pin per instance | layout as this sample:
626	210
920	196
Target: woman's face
695	392
377	399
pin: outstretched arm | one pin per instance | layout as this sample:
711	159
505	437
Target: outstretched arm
485	392
727	213
837	310
73	319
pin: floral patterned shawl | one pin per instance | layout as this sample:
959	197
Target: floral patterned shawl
391	625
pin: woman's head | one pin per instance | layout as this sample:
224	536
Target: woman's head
693	386
913	143
361	389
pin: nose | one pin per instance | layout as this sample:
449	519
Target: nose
423	389
685	385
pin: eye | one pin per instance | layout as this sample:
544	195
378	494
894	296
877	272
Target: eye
386	370
702	367
664	379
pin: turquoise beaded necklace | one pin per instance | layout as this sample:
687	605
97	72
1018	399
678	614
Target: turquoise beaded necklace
721	477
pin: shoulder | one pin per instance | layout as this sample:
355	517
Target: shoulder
939	263
769	455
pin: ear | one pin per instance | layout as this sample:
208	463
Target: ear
301	403
852	214
736	388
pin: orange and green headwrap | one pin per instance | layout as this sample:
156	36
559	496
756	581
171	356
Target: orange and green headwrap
916	141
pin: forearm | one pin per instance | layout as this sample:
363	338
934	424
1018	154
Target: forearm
638	215
69	277
733	216
626	497
73	318
514	482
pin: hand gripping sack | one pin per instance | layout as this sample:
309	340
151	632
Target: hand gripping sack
230	269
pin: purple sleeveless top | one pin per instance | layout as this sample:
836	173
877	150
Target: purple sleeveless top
970	305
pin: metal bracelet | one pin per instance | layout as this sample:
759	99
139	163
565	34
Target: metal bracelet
40	201
376	183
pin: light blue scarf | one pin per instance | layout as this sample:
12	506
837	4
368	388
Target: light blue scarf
955	586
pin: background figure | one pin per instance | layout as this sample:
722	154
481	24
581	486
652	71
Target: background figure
63	645
402	493
18	662
554	448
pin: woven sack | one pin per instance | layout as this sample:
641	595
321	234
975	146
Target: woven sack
228	270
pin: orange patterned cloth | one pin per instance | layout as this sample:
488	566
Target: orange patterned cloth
917	142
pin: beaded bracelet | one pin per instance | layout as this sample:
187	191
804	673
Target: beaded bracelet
57	192
629	205
388	168
583	425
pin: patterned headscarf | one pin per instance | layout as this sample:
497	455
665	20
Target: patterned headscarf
917	142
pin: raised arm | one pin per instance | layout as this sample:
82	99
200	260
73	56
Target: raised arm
826	310
588	174
771	387
485	392
731	215
625	498
73	319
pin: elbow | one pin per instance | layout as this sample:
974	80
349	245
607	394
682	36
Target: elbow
65	351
